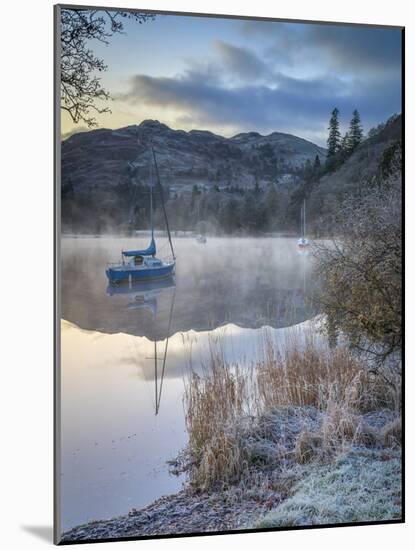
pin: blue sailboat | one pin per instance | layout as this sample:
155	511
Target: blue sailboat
142	265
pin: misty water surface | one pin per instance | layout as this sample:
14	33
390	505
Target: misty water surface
117	371
249	282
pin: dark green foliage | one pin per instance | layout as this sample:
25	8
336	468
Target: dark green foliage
355	131
376	130
317	164
333	141
391	159
340	148
346	146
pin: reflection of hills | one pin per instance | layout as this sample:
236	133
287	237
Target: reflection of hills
146	313
185	350
280	308
247	282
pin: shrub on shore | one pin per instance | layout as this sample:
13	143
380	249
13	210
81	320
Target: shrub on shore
360	272
301	403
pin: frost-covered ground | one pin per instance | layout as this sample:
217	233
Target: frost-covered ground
362	483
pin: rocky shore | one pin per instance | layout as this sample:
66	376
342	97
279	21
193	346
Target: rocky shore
183	512
277	497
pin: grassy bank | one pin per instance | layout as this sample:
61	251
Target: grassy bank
308	428
360	485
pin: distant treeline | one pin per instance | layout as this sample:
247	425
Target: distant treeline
355	164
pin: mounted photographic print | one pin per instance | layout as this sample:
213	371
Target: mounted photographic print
228	207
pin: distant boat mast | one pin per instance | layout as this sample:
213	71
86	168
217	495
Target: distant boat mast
303	241
151	208
304	219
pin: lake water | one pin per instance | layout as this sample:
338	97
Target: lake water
126	352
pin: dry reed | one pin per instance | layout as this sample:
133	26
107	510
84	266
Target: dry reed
227	406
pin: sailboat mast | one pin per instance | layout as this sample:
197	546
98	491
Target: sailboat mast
302	221
166	347
151	206
155	376
162	202
304	217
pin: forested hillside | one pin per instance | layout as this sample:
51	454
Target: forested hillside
248	184
110	171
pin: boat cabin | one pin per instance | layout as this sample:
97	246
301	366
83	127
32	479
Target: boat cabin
144	261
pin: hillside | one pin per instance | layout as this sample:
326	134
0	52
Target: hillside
372	162
245	184
105	158
111	167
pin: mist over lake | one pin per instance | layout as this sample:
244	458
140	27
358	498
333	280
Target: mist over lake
230	274
112	439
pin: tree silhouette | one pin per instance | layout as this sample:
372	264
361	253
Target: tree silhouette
81	88
345	144
356	131
333	141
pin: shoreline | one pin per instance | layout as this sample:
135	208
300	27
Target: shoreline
284	496
179	513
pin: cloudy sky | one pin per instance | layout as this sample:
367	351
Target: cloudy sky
228	75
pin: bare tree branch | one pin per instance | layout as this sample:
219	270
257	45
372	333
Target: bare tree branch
81	87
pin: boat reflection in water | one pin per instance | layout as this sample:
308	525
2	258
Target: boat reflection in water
144	297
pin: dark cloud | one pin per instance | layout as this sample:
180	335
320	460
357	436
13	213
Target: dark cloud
353	67
368	49
295	104
242	62
347	48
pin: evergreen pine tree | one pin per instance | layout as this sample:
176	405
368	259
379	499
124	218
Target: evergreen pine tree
317	164
356	130
333	141
346	144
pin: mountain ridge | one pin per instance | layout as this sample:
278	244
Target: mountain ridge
151	121
107	157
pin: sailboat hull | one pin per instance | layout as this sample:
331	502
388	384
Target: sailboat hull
148	286
126	273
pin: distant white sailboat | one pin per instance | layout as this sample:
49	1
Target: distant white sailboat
303	242
201	239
